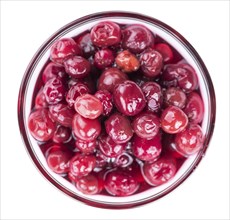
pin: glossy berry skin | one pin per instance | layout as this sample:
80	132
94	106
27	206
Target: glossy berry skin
190	140
62	135
136	38
81	165
53	70
54	91
160	171
165	50
146	149
108	147
129	98
62	49
194	108
86	147
146	125
153	95
118	127
123	160
105	34
88	106
151	63
110	78
103	58
86	45
173	120
40	100
75	91
101	159
120	183
85	129
40	125
106	99
62	114
127	61
175	96
77	67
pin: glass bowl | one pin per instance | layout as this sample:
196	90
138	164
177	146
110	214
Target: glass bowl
76	27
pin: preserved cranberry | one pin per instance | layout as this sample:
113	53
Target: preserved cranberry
110	78
86	147
123	160
88	106
190	140
173	120
175	96
153	94
86	129
146	149
62	114
77	67
136	38
146	125
75	91
101	159
105	34
53	70
86	45
118	127
40	125
194	108
166	52
160	171
128	98
54	91
151	63
106	99
63	49
127	61
62	135
81	165
120	183
40	100
108	147
103	58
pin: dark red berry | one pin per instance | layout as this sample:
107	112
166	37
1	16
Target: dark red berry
166	51
40	100
86	147
62	135
123	160
103	58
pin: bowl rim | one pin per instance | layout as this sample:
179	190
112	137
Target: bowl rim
92	17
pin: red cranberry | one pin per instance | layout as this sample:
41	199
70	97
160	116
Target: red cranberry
175	96
62	114
63	49
110	78
120	183
62	135
194	108
136	38
128	98
40	100
123	160
127	61
40	125
106	99
86	147
159	172
189	141
151	63
173	120
75	91
166	52
54	91
105	34
147	150
153	94
58	160
53	70
86	129
119	128
81	165
77	67
108	147
103	58
146	125
88	106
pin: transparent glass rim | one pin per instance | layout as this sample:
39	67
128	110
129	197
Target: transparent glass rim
29	71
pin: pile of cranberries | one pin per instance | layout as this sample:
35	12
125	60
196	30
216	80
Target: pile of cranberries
116	110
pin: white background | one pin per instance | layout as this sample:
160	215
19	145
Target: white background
25	194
